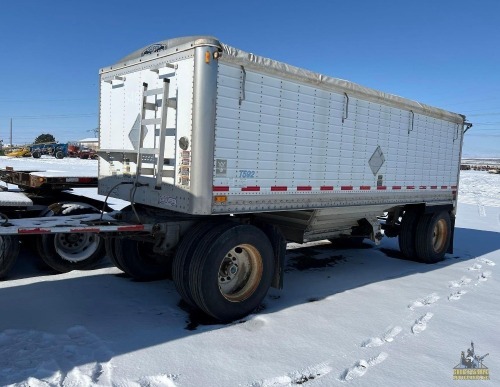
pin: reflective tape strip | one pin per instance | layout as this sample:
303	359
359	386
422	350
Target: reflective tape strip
251	189
220	188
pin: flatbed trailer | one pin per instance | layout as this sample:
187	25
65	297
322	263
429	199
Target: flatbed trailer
60	225
30	180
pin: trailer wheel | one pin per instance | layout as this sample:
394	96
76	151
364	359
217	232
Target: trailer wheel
59	155
433	236
109	247
36	154
407	233
138	260
182	258
9	251
231	271
70	251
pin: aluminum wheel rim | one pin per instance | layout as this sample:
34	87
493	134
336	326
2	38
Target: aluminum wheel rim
240	273
440	235
76	247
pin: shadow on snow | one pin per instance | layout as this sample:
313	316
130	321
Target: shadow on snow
132	315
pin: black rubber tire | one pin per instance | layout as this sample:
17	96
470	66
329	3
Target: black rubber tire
64	252
109	247
9	251
137	259
36	154
433	237
407	234
182	258
212	251
59	155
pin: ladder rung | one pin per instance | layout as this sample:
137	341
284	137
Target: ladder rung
148	151
153	92
164	173
169	132
150	106
151	121
172	103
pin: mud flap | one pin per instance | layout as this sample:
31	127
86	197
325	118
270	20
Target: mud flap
452	237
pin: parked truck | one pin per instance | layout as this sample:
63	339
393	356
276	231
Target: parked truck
225	156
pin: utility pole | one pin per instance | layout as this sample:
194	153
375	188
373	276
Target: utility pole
11	132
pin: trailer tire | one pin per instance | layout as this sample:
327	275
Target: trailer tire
139	261
36	154
64	252
231	271
407	233
59	155
9	251
433	236
182	258
109	247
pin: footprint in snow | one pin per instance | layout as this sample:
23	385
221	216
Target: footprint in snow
430	299
361	366
475	267
457	295
34	358
254	324
484	276
295	377
464	281
387	337
162	380
421	324
487	262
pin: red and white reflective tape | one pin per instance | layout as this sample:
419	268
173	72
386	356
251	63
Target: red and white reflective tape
308	188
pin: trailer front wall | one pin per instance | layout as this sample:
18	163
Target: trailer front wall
121	101
281	144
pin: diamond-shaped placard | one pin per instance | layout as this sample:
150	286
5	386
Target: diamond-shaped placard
377	160
133	135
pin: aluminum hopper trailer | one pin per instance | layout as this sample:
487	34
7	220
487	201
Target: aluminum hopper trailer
229	156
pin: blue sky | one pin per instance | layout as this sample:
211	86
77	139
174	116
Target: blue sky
443	53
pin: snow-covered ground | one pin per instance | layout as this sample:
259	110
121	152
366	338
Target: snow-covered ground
357	317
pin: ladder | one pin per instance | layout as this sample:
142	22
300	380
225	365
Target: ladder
156	155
